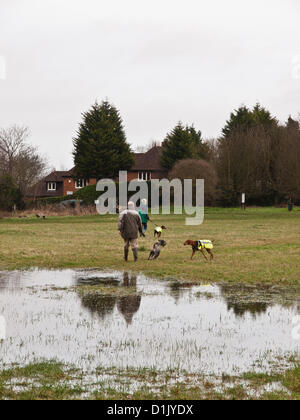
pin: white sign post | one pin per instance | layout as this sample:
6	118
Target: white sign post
244	201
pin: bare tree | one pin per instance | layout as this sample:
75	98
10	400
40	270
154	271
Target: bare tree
12	142
19	159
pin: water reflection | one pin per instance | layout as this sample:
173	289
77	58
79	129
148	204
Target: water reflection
129	305
253	300
240	309
243	300
98	304
104	305
10	281
149	322
177	290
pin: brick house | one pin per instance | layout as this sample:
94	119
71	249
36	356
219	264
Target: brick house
58	183
62	183
147	166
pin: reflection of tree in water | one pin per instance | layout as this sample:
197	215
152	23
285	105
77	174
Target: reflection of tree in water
254	308
242	299
177	290
100	305
129	305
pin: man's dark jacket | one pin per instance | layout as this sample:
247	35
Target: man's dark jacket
130	224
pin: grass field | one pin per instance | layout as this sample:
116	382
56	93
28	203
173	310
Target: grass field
261	245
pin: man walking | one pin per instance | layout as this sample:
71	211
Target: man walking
130	225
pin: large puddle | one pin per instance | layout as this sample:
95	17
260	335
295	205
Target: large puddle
59	315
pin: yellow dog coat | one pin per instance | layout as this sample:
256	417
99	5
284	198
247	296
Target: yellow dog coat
205	244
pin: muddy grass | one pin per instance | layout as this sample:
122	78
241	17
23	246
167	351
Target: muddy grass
53	381
111	335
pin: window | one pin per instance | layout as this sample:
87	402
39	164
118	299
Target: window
51	186
80	183
144	176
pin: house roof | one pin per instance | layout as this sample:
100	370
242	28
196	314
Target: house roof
40	190
149	161
57	176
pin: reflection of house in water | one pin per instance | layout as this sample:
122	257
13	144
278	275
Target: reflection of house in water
129	305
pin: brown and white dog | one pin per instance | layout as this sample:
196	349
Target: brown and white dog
157	247
201	245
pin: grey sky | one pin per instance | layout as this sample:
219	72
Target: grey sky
157	61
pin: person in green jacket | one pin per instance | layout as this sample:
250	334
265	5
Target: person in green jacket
143	212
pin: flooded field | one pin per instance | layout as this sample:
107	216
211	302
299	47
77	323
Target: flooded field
91	319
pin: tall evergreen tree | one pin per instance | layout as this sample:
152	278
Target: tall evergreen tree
200	148
183	142
100	147
243	119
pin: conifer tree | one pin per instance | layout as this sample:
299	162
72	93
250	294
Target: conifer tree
243	119
183	142
100	147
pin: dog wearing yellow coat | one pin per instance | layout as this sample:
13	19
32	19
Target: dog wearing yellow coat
201	245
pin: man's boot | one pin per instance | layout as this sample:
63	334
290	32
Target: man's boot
135	253
126	254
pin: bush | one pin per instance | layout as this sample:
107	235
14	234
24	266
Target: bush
42	202
88	194
198	169
10	195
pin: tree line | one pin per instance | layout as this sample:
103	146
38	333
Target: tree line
255	154
260	157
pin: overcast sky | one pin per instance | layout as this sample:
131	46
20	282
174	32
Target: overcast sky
158	61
